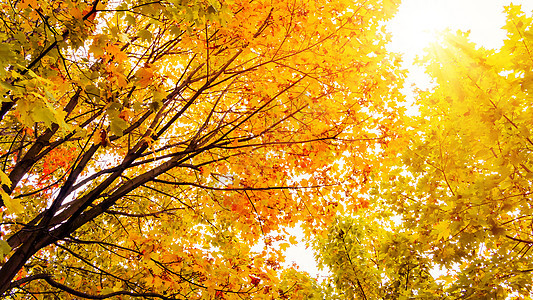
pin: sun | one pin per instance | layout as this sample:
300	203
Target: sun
416	25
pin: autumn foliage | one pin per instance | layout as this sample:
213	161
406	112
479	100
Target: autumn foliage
159	149
450	214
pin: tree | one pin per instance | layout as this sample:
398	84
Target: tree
368	261
147	146
460	185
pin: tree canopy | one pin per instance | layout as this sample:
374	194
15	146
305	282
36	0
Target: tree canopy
451	212
149	147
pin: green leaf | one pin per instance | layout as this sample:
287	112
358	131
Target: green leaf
6	52
92	91
145	35
5	86
44	114
4	248
117	126
4	179
130	19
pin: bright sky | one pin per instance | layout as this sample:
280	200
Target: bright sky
413	29
418	22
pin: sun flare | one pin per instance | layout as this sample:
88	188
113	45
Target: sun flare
418	23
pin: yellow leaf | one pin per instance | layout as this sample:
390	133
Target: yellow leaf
442	230
284	246
4	179
293	240
13	205
144	76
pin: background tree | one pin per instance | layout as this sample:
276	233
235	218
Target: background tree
147	146
459	186
368	258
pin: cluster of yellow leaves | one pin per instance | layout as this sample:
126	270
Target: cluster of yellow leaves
462	182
